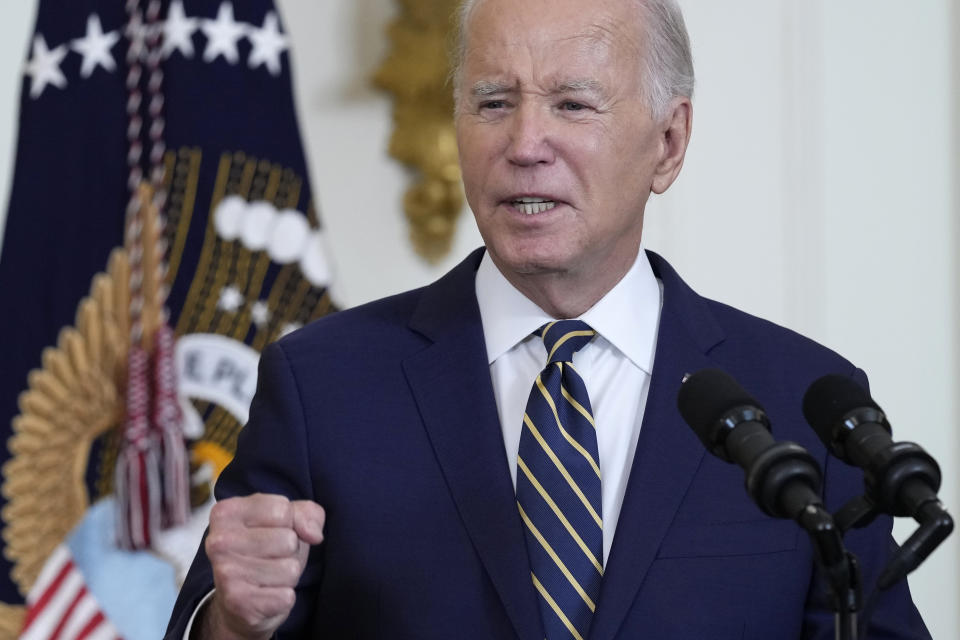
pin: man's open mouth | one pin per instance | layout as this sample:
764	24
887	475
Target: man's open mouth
531	206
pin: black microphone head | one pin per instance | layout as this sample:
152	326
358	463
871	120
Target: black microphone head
705	398
827	405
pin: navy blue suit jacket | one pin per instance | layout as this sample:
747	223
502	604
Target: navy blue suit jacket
385	415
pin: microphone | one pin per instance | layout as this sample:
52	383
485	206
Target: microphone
901	478
782	478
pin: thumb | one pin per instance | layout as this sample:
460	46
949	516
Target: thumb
308	520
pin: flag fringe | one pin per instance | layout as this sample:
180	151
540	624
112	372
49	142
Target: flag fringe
168	427
138	489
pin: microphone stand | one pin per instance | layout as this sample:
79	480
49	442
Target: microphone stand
839	566
935	525
784	480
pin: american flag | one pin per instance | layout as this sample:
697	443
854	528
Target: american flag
60	605
244	249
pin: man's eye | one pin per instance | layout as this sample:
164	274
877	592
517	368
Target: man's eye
569	105
492	104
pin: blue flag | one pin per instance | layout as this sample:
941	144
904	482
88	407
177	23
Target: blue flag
230	254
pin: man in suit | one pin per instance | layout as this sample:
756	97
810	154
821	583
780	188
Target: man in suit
391	480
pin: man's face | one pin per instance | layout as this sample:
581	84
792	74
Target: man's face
558	147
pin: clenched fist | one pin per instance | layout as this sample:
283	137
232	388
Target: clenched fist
257	546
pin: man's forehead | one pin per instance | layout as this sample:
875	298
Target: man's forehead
603	31
599	19
564	68
491	32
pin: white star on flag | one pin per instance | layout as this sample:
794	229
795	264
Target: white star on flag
95	47
222	35
268	43
260	313
231	298
178	31
44	67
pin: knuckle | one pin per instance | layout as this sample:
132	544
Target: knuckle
231	598
215	544
282	512
219	511
291	570
250	616
289	542
288	597
226	575
224	511
270	507
271	498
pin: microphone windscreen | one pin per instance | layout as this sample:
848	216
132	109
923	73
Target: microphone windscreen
829	399
706	396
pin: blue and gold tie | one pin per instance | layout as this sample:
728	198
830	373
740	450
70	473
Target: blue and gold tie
558	487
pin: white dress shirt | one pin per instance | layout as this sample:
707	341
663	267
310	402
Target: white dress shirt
615	367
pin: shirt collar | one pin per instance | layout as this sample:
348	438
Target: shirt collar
627	316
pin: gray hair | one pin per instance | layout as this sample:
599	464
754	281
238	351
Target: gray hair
668	60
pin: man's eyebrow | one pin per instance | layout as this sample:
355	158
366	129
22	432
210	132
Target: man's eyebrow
486	88
574	86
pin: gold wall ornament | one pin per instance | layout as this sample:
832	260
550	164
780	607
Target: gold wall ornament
416	71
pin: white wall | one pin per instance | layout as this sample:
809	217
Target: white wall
888	173
818	192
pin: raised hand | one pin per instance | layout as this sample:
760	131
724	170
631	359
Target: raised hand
257	546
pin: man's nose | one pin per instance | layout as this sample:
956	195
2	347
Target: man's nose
530	136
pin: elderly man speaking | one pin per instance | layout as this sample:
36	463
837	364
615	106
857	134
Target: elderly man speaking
499	454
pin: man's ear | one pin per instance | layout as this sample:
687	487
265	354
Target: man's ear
675	135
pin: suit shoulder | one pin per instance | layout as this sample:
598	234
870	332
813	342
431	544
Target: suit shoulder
736	338
759	339
372	323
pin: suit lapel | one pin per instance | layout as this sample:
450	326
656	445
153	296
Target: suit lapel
450	381
667	456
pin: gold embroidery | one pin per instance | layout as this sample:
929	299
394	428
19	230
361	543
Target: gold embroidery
74	398
183	198
11	620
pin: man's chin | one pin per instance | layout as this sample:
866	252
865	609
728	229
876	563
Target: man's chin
531	264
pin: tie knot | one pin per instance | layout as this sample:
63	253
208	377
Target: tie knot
564	338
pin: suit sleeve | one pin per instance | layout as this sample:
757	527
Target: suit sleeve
890	614
272	457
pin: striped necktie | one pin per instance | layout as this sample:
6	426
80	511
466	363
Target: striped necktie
558	487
